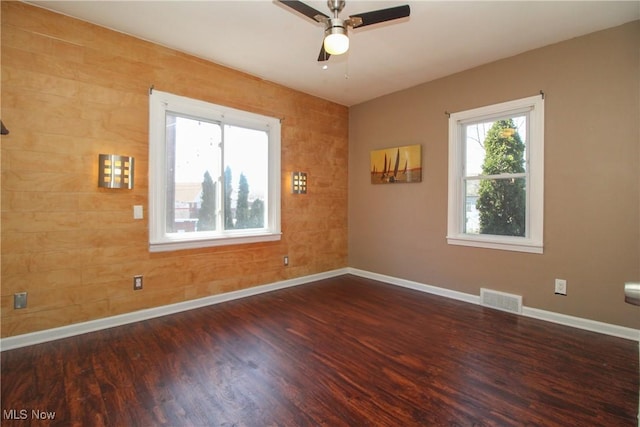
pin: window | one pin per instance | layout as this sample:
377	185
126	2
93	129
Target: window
496	176
214	174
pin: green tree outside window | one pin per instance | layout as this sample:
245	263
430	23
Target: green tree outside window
502	201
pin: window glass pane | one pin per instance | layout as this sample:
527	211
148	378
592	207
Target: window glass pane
471	214
246	159
496	206
495	147
193	172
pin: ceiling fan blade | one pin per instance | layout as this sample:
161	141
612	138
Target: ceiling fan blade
324	55
304	9
382	15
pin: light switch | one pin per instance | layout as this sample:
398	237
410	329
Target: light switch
137	212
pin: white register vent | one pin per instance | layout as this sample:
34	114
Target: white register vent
501	300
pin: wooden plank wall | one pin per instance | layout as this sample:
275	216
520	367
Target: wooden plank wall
72	90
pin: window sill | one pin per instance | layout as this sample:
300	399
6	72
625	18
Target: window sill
177	244
500	243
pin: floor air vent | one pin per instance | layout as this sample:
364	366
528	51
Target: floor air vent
501	301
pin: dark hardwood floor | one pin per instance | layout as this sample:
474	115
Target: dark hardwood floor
338	352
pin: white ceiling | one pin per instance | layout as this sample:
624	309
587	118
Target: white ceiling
268	40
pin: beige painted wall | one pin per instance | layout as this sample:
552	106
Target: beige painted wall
71	90
592	180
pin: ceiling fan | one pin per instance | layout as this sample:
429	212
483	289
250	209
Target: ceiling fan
336	40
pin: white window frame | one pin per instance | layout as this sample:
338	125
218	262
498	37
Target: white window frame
159	104
533	240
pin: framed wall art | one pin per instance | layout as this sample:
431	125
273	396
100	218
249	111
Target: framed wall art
396	165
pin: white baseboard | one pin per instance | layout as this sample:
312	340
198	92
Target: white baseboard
549	316
150	313
460	296
136	316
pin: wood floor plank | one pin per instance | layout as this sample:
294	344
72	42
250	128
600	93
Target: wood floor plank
344	351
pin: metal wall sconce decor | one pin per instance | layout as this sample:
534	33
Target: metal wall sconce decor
299	183
115	171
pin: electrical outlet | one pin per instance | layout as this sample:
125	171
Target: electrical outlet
20	300
286	260
137	283
561	287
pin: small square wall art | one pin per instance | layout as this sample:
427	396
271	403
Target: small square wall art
396	165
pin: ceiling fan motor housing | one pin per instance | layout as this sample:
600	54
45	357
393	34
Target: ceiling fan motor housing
335	26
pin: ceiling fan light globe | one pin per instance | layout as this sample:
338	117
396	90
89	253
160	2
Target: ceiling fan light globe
336	43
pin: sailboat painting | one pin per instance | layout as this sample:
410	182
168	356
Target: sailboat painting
396	165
